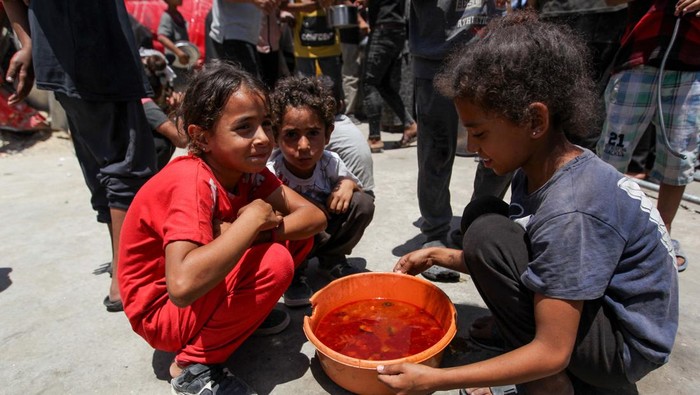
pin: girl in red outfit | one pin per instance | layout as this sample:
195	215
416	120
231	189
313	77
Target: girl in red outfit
211	242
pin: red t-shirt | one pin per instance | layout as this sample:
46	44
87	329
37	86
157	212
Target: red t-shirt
178	203
649	30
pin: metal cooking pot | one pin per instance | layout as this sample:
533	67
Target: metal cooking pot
341	16
189	49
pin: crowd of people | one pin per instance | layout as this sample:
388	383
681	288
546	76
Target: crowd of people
578	271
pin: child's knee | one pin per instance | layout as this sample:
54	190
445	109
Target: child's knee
489	235
363	205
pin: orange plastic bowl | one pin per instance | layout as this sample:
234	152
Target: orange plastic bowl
360	375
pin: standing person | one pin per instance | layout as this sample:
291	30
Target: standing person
303	113
171	29
99	81
235	29
632	103
211	241
269	45
348	141
317	44
387	39
352	55
580	278
436	116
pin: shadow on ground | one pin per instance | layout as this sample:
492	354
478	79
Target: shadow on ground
12	142
5	280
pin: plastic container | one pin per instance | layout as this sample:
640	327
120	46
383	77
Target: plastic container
359	375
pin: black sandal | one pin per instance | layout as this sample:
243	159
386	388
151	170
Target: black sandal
113	306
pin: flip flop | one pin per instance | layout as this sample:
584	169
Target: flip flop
113	306
680	254
440	274
493	341
407	140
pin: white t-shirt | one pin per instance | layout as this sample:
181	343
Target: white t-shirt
328	171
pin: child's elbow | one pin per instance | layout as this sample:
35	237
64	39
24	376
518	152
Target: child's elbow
318	221
179	295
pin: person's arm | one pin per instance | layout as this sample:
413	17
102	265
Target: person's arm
169	130
170	45
418	261
192	270
546	355
302	219
684	7
20	72
341	195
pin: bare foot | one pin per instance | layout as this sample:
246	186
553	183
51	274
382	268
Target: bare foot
410	134
175	369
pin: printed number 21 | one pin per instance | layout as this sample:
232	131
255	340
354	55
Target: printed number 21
620	138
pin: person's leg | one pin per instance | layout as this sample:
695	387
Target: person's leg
241	52
437	143
270	67
331	69
597	365
217	323
114	145
345	230
351	75
349	143
488	183
117	216
629	110
390	42
305	67
383	50
640	157
669	200
496	253
681	112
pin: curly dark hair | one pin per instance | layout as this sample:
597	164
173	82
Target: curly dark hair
521	60
207	95
298	92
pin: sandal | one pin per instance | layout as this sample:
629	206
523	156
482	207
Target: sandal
408	138
490	337
679	254
113	306
441	274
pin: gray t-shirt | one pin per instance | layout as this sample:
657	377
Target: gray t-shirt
173	28
594	234
235	21
350	144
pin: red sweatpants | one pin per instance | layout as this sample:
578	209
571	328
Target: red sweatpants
214	326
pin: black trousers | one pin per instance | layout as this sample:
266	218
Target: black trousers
496	252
